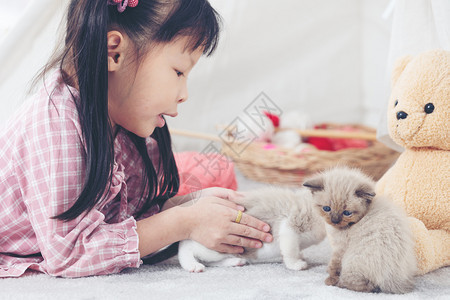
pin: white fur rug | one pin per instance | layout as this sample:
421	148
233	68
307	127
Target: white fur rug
169	281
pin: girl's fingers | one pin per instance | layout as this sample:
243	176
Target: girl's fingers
236	240
233	195
251	222
246	235
238	229
229	204
223	193
226	248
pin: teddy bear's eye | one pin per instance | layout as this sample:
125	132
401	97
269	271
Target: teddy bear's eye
429	108
396	102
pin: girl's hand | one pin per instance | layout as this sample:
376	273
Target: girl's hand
212	223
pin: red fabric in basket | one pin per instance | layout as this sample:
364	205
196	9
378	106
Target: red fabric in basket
332	144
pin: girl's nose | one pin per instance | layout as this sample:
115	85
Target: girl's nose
183	95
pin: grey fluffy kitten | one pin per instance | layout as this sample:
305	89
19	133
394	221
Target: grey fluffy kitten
373	247
295	225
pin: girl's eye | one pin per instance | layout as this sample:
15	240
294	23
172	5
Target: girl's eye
347	213
179	74
396	102
326	208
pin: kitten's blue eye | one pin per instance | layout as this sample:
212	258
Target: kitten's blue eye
347	213
326	208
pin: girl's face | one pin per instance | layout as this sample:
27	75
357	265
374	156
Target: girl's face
138	96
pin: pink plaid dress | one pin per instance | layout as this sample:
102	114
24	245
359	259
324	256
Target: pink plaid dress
41	174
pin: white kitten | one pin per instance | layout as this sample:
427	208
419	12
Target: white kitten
295	225
373	247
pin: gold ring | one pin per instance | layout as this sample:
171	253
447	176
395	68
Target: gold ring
238	217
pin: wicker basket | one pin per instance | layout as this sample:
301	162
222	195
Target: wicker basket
283	167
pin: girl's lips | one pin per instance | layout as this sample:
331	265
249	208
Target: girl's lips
160	121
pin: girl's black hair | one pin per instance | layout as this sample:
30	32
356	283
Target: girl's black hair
84	57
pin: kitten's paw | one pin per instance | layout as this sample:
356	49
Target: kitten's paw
238	262
196	268
331	280
296	265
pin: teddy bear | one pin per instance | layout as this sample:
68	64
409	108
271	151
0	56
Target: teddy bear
419	181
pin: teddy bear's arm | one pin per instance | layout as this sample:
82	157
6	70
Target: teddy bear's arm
432	246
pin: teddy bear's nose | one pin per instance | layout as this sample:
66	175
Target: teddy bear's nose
401	115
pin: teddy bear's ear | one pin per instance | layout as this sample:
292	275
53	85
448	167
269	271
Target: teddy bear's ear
399	66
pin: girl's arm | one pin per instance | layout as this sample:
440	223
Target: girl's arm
209	220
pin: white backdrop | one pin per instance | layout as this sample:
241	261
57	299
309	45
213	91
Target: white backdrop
329	59
25	46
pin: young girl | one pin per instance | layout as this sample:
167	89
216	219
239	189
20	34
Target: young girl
87	174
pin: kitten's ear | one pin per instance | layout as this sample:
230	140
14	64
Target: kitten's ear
366	191
314	184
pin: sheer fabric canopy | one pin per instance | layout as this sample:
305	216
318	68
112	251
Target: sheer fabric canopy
328	59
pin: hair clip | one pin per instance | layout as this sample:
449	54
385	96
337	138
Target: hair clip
122	4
